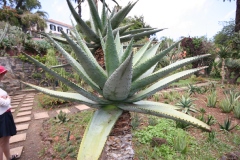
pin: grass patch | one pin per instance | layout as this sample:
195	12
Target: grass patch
197	148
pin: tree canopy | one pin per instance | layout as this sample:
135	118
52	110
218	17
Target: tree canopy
20	13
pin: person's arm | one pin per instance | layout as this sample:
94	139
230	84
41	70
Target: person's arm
5	101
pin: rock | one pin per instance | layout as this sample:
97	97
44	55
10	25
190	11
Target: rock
158	141
231	156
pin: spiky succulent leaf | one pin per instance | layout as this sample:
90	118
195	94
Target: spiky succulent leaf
113	13
137	31
102	40
141	68
141	83
139	35
104	15
119	46
122	29
111	55
163	111
120	15
127	51
95	16
149	53
162	84
118	84
97	132
65	95
84	27
79	69
140	53
151	103
89	63
74	86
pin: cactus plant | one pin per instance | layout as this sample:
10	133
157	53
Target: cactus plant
127	80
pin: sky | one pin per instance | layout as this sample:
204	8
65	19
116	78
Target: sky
180	17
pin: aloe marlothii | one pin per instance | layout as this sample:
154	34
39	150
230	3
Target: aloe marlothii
98	24
121	87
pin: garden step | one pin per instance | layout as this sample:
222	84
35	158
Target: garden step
24	113
16	100
63	110
21	127
82	107
18	138
15	103
15	151
25	109
41	115
24	102
22	119
14	106
29	98
27	105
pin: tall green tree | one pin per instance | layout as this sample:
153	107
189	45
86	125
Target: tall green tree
23	13
225	36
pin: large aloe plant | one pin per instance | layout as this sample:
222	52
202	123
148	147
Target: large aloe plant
127	80
98	24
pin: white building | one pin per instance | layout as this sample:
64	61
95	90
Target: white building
55	27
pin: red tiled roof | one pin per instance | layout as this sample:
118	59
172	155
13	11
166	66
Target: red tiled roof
61	23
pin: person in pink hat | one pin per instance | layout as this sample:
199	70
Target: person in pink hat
7	125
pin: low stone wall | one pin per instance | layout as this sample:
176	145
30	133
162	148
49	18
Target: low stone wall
17	71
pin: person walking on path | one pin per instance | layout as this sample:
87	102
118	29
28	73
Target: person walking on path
7	125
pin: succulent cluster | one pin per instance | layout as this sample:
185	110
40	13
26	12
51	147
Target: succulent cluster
127	80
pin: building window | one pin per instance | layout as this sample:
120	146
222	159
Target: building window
52	27
68	32
59	29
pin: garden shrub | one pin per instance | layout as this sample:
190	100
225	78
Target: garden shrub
47	101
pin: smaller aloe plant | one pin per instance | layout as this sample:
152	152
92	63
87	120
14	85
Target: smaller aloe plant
181	143
227	125
156	97
61	117
202	110
233	97
152	121
186	103
165	95
209	120
212	99
236	110
211	136
193	89
135	121
182	125
225	105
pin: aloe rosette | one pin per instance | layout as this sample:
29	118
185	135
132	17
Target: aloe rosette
98	25
123	86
